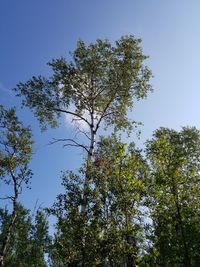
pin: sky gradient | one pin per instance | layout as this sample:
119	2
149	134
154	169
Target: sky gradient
34	32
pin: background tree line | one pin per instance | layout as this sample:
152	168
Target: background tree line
125	206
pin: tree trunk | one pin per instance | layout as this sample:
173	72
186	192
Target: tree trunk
12	221
7	236
186	257
85	194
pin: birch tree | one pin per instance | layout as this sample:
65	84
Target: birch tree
98	86
175	188
15	154
114	221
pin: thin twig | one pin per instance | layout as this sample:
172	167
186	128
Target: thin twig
74	143
72	113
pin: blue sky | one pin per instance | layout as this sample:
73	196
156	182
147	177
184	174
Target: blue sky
32	32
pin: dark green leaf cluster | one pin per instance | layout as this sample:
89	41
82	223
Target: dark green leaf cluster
29	239
139	212
111	229
174	191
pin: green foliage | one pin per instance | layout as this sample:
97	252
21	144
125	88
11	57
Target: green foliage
99	85
15	148
111	230
28	240
100	79
15	154
174	203
102	215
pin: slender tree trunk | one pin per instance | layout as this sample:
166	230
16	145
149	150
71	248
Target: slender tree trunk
87	172
85	193
6	239
8	235
187	261
186	257
131	242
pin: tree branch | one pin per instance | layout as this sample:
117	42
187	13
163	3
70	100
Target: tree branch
103	113
82	132
74	143
6	197
71	113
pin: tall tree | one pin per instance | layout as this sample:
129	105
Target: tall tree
99	85
175	187
29	238
113	228
15	154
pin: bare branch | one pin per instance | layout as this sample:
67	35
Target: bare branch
79	131
72	113
76	119
78	145
107	114
6	197
73	143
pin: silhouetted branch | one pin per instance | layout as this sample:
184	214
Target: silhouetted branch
72	113
73	143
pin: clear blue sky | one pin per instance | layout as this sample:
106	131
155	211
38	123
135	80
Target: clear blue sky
32	32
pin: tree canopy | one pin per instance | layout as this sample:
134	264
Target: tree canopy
174	190
99	84
15	154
